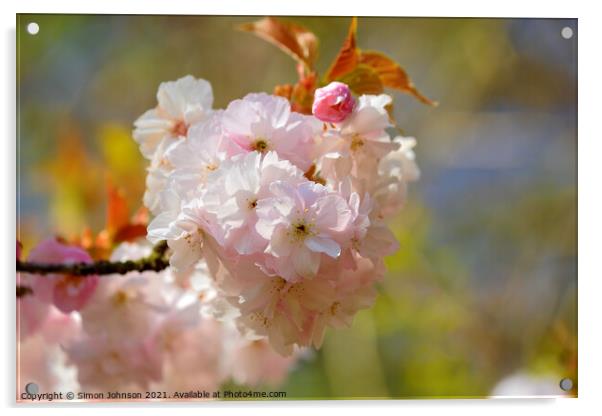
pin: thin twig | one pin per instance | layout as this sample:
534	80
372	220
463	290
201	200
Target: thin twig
156	261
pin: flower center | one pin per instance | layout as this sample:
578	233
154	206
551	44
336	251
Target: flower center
260	319
356	142
252	203
164	162
313	175
261	145
301	230
278	284
180	128
120	298
334	308
258	344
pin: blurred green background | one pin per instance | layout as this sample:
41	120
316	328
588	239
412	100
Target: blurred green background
485	283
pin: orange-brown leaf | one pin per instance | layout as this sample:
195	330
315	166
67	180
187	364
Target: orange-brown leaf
141	216
302	94
86	240
117	209
391	74
347	59
293	39
363	80
129	232
390	111
284	90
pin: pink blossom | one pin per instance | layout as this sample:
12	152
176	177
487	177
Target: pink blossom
120	307
198	237
282	311
301	222
333	103
188	230
274	219
235	190
199	155
179	104
192	355
41	358
296	314
254	362
68	293
265	122
395	171
60	328
355	146
31	312
112	364
352	292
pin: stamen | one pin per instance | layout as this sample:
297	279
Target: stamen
261	145
120	298
334	308
180	128
301	230
356	142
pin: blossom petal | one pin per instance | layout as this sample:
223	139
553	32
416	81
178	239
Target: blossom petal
305	262
323	245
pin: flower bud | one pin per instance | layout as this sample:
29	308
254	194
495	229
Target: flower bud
333	103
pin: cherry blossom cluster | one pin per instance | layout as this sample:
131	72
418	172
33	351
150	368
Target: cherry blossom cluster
285	211
276	224
134	332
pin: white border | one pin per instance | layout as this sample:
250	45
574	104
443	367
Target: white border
590	206
458	8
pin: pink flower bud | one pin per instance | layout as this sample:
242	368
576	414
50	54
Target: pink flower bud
333	103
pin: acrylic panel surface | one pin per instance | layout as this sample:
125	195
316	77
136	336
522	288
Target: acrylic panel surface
478	300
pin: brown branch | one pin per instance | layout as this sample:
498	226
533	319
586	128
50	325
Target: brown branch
156	261
23	291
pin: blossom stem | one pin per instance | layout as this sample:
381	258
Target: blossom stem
156	261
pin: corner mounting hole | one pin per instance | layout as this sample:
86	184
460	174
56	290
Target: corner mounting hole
33	28
566	32
32	388
566	384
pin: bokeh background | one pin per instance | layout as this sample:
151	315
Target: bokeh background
481	298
